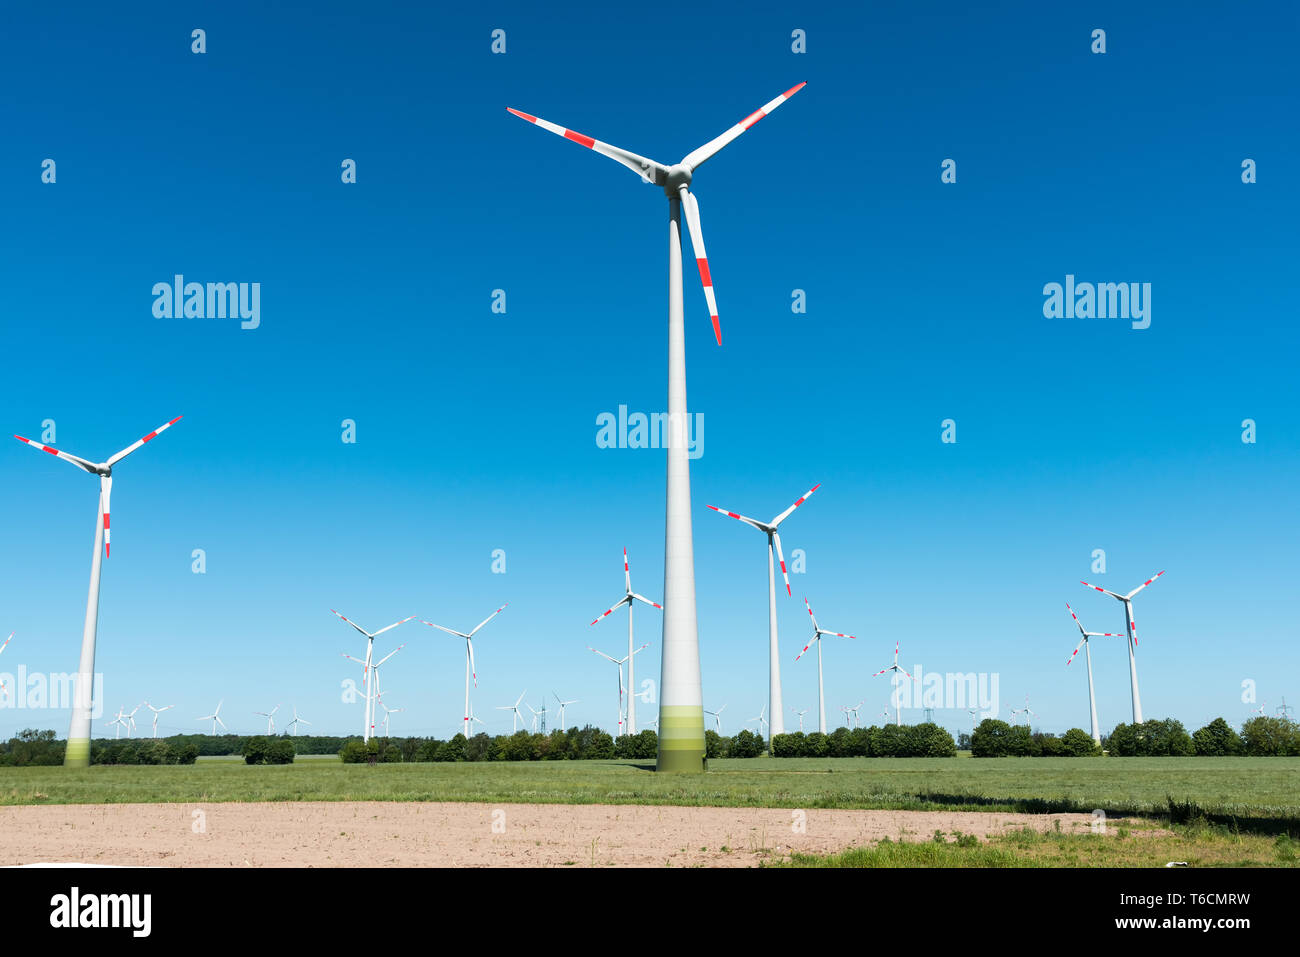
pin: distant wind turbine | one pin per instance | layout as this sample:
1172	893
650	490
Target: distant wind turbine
628	599
619	662
818	631
293	725
156	712
215	717
1086	645
1132	637
563	704
516	718
898	698
717	718
368	719
469	660
270	718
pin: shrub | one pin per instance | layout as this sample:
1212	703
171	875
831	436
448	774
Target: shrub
453	750
1217	740
927	740
990	739
790	745
1077	743
815	745
746	744
1267	737
713	744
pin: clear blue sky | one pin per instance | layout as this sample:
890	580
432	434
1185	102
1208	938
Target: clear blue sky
476	431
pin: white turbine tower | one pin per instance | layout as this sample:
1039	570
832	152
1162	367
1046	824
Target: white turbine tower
773	653
156	712
516	718
898	698
270	718
619	662
563	704
818	631
293	725
717	718
215	717
368	719
78	749
681	746
800	714
1132	637
2	650
469	661
628	599
1087	654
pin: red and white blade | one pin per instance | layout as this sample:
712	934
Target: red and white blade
135	445
66	456
696	158
647	169
692	209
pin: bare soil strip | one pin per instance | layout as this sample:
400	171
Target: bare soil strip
393	834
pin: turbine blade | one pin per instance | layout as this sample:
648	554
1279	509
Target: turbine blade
802	498
647	169
487	619
66	456
1102	590
625	600
1076	619
1145	583
352	623
1082	642
816	630
458	634
777	540
692	209
647	601
605	656
135	445
472	669
806	647
389	655
105	493
627	574
740	518
393	625
695	159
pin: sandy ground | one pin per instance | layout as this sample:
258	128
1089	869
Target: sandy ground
380	833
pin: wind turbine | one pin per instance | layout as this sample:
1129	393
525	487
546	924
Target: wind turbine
469	660
516	718
387	712
537	713
851	714
681	747
628	599
1087	654
2	650
818	631
130	720
619	662
120	720
156	712
368	720
1025	711
215	717
717	718
761	719
473	718
973	712
270	719
78	749
773	659
800	714
1132	637
898	698
297	721
563	705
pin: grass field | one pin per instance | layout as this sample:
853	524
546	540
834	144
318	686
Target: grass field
1259	794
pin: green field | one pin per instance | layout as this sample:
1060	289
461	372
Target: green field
1262	794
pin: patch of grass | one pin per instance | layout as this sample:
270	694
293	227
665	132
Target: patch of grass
1198	846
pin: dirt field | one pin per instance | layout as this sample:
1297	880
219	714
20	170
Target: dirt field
339	834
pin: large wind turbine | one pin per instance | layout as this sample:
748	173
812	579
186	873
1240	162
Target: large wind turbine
1132	637
773	659
1087	653
469	662
628	599
818	631
78	750
215	717
681	708
368	720
898	698
619	662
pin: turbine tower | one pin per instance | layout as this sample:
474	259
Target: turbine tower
77	754
773	654
1132	637
818	631
469	662
681	708
1087	654
628	599
368	719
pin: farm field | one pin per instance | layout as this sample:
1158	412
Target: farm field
1261	793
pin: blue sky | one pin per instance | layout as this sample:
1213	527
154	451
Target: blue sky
476	431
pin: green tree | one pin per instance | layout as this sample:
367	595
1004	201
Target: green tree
816	745
453	750
927	740
746	744
1077	743
1267	736
1217	740
713	744
788	745
991	739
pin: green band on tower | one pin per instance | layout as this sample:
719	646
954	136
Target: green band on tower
77	754
681	738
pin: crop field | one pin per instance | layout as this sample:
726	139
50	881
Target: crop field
1261	794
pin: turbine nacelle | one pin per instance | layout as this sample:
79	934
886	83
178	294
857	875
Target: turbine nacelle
676	179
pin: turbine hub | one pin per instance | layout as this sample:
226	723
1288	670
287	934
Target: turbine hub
677	177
